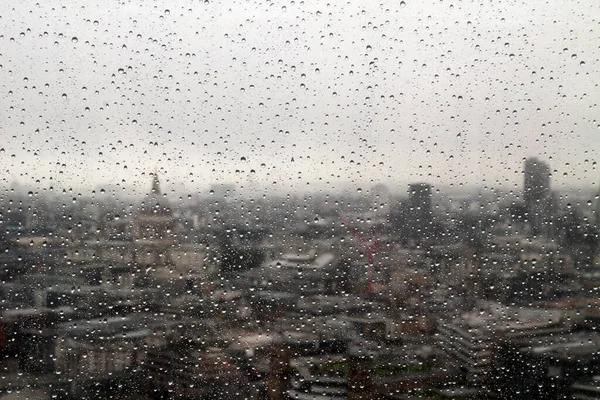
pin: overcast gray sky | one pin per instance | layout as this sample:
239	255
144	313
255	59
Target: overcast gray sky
303	93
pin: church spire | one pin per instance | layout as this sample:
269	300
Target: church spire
155	183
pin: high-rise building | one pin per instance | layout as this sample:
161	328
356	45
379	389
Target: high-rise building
537	180
597	209
419	198
420	213
537	196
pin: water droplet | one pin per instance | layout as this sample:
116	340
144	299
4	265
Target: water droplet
402	4
74	39
574	56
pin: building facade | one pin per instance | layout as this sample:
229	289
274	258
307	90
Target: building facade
538	197
420	212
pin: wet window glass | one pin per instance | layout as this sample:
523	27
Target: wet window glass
299	200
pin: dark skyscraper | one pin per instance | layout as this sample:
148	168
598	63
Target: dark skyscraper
419	209
537	196
419	198
537	180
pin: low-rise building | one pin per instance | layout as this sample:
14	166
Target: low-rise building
180	372
473	340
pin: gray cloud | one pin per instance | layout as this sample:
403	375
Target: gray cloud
354	93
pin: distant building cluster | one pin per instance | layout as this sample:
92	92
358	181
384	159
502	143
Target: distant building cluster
431	295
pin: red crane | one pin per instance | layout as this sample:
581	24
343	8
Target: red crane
371	247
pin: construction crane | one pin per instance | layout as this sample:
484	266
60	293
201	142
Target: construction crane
371	247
